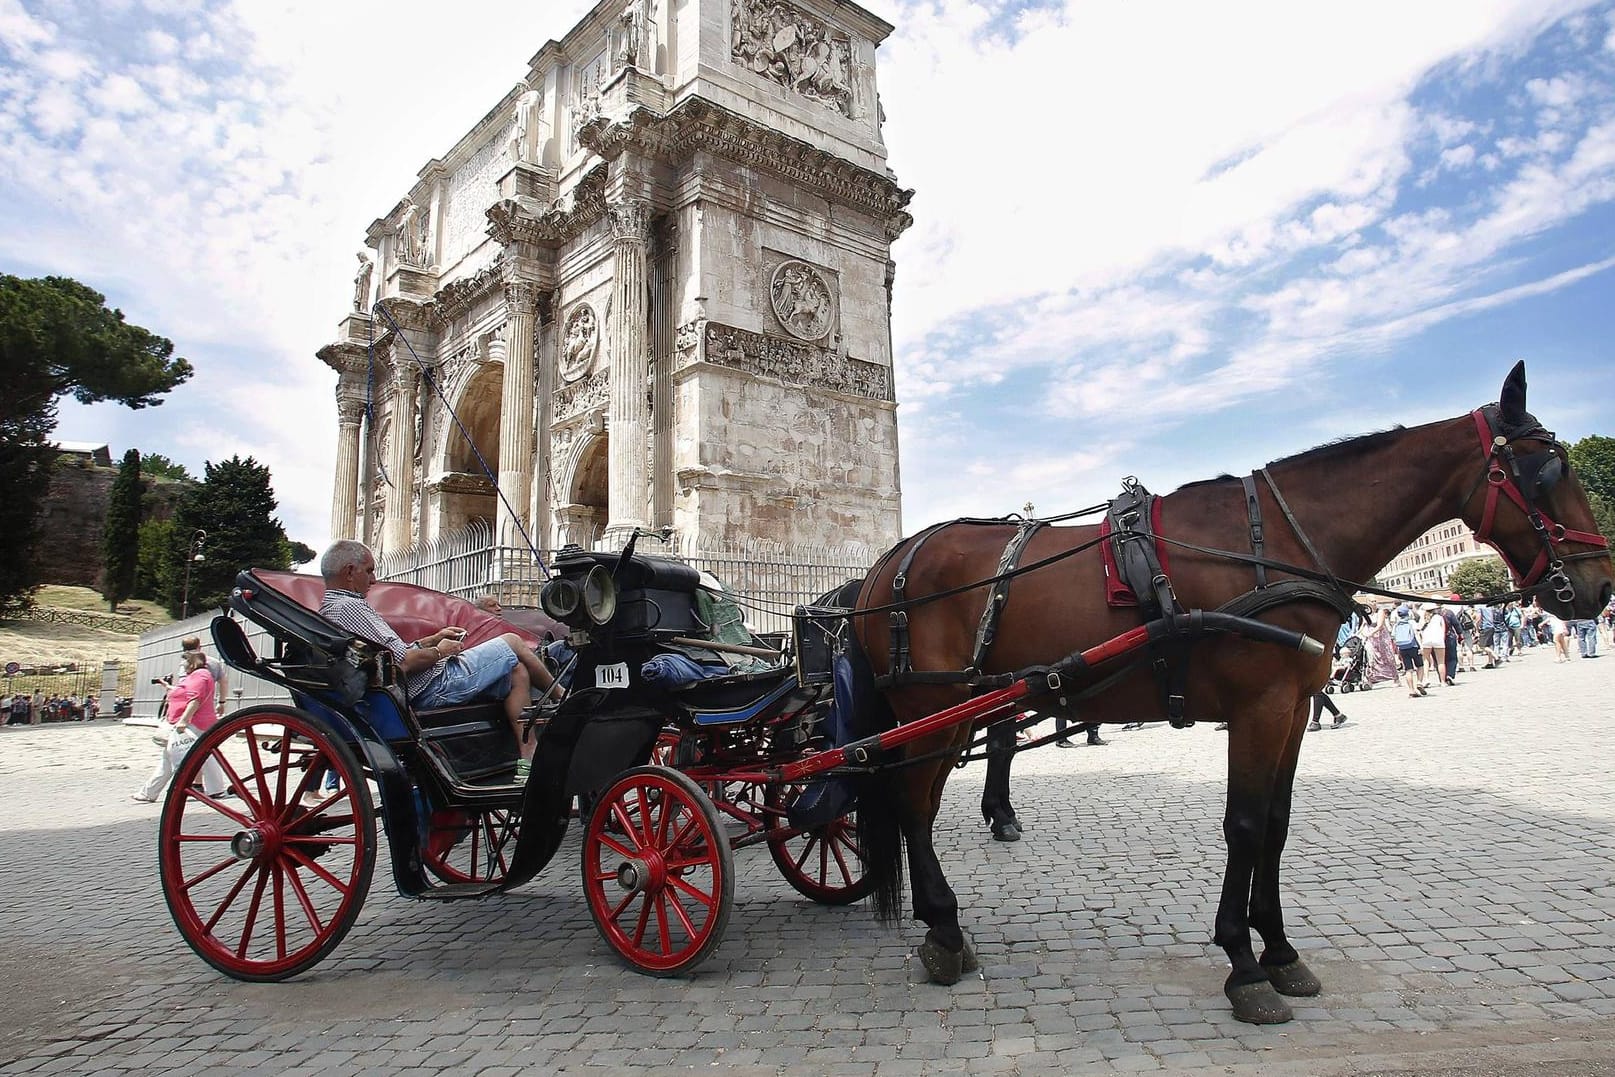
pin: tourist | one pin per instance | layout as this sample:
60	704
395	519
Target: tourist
1406	636
220	680
439	670
1432	644
1090	728
1321	702
1587	637
191	711
1383	664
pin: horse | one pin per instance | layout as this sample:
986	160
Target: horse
1338	512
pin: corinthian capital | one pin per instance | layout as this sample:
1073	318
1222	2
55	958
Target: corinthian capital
630	220
521	296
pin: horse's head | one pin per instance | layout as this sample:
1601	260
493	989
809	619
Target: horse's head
1530	507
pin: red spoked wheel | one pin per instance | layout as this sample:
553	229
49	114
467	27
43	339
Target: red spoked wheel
658	871
265	879
471	845
826	863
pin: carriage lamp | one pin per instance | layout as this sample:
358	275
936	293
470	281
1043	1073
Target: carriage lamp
571	600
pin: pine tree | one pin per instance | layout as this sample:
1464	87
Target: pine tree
120	539
233	510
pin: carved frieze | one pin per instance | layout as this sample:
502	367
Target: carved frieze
802	300
581	397
471	189
686	341
798	52
580	341
795	362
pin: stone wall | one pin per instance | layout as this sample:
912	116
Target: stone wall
75	516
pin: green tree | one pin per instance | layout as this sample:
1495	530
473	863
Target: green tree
157	466
1482	576
1593	460
1603	514
298	553
233	507
152	567
57	338
120	538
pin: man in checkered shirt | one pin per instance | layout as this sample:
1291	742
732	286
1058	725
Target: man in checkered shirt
439	670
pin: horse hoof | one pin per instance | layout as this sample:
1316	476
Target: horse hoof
1006	832
967	960
943	966
1294	979
1258	1004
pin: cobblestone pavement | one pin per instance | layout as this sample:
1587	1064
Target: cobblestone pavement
1450	876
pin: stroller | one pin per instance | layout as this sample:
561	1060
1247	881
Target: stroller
1349	673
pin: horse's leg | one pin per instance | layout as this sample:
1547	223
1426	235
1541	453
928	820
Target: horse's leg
944	954
1285	969
1255	747
995	805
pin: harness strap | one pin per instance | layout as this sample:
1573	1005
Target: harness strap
1295	526
1253	511
987	630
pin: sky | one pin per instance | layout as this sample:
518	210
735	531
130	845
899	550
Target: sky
1168	240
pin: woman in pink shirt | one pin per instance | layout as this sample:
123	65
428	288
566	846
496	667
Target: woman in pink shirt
191	711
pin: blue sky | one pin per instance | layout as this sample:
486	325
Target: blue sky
1167	240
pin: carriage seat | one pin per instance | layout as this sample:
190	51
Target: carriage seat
737	698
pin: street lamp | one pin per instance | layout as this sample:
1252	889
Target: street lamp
195	556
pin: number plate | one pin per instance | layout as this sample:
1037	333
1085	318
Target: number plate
612	676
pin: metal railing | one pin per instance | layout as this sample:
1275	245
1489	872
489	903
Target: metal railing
768	580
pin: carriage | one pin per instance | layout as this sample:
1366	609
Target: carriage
265	880
670	782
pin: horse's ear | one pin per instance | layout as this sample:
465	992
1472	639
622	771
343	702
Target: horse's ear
1511	403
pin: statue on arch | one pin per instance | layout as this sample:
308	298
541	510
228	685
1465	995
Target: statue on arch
361	282
631	36
527	134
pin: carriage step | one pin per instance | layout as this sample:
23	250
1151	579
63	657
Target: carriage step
456	891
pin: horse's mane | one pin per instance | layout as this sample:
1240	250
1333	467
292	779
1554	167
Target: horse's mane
1329	450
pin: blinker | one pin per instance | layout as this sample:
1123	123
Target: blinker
1538	472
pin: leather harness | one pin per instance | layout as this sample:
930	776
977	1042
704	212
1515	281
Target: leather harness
1132	540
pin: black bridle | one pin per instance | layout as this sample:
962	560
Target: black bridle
1526	478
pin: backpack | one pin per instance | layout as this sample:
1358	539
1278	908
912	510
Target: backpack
1465	621
1403	633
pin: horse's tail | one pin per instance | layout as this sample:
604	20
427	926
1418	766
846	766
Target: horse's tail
879	835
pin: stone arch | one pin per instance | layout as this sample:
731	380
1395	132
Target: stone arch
586	485
467	493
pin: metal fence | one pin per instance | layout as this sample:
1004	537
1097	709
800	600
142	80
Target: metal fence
768	580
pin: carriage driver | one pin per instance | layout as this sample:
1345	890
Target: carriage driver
439	669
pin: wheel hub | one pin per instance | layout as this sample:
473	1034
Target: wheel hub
641	873
247	844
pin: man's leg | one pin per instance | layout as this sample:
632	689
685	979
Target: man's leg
537	672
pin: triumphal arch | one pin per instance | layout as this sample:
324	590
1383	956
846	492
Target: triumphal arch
650	287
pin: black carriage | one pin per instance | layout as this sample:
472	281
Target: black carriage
266	879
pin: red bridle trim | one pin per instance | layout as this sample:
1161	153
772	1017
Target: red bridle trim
1500	481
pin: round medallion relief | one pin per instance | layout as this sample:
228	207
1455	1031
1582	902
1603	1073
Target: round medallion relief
579	342
802	300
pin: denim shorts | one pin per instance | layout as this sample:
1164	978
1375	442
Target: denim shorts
483	672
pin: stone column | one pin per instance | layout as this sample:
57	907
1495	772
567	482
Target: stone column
345	491
544	415
396	525
516	414
629	411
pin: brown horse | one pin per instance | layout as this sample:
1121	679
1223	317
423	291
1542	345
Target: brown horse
1359	502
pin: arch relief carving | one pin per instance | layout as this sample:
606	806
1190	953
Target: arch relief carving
579	342
802	300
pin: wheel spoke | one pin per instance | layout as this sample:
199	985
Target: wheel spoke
669	896
684	885
209	873
280	912
252	912
229	898
304	900
644	920
661	923
336	884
